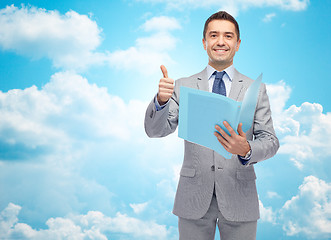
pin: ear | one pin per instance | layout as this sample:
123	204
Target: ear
238	45
204	44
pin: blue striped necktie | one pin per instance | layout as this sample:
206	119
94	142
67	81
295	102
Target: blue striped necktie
219	86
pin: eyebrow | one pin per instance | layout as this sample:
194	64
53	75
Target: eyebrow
232	33
213	32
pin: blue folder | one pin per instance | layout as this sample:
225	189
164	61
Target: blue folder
200	111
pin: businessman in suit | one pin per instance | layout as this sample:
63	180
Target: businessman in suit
213	190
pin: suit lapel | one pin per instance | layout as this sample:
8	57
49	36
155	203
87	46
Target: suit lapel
202	81
237	86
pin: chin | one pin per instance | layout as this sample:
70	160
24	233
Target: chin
220	61
221	58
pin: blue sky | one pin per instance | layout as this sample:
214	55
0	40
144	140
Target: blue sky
75	80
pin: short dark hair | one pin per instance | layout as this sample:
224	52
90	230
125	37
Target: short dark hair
221	15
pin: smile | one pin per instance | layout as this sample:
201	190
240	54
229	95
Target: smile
220	50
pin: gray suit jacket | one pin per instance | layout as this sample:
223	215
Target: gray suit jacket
204	170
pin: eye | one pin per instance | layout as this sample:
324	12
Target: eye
228	36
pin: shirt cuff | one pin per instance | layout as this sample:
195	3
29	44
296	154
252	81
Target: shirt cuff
245	160
157	105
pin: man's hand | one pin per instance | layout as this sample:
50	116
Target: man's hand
235	144
166	87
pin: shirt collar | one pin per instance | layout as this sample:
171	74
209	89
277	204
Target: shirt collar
229	71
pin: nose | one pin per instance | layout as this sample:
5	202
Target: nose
220	41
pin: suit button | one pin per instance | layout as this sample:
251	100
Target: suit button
213	168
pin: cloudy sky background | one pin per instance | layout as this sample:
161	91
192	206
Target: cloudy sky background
75	80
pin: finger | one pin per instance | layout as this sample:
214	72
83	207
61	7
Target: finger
218	128
167	84
164	71
222	141
168	81
229	128
240	130
166	89
225	147
223	133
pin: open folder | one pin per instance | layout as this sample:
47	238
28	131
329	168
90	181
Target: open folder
200	111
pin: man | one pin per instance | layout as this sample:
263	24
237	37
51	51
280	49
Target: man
214	190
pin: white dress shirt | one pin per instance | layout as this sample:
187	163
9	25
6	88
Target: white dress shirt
227	78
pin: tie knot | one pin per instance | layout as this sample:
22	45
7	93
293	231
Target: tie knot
219	75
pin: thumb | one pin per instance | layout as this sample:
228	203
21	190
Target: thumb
164	71
240	130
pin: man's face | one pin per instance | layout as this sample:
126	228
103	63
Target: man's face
221	43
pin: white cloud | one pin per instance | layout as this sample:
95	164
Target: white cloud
304	131
53	188
168	185
269	17
279	94
69	40
167	188
65	108
58	131
145	230
8	217
309	133
271	195
93	225
150	52
309	212
69	110
176	173
234	6
267	214
161	23
138	207
77	138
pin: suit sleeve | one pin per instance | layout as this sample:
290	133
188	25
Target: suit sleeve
165	121
264	144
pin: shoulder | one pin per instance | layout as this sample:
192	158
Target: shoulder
242	78
247	81
194	77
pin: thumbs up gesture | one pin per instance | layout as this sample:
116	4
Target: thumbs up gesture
166	87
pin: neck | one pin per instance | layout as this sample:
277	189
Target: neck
220	67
